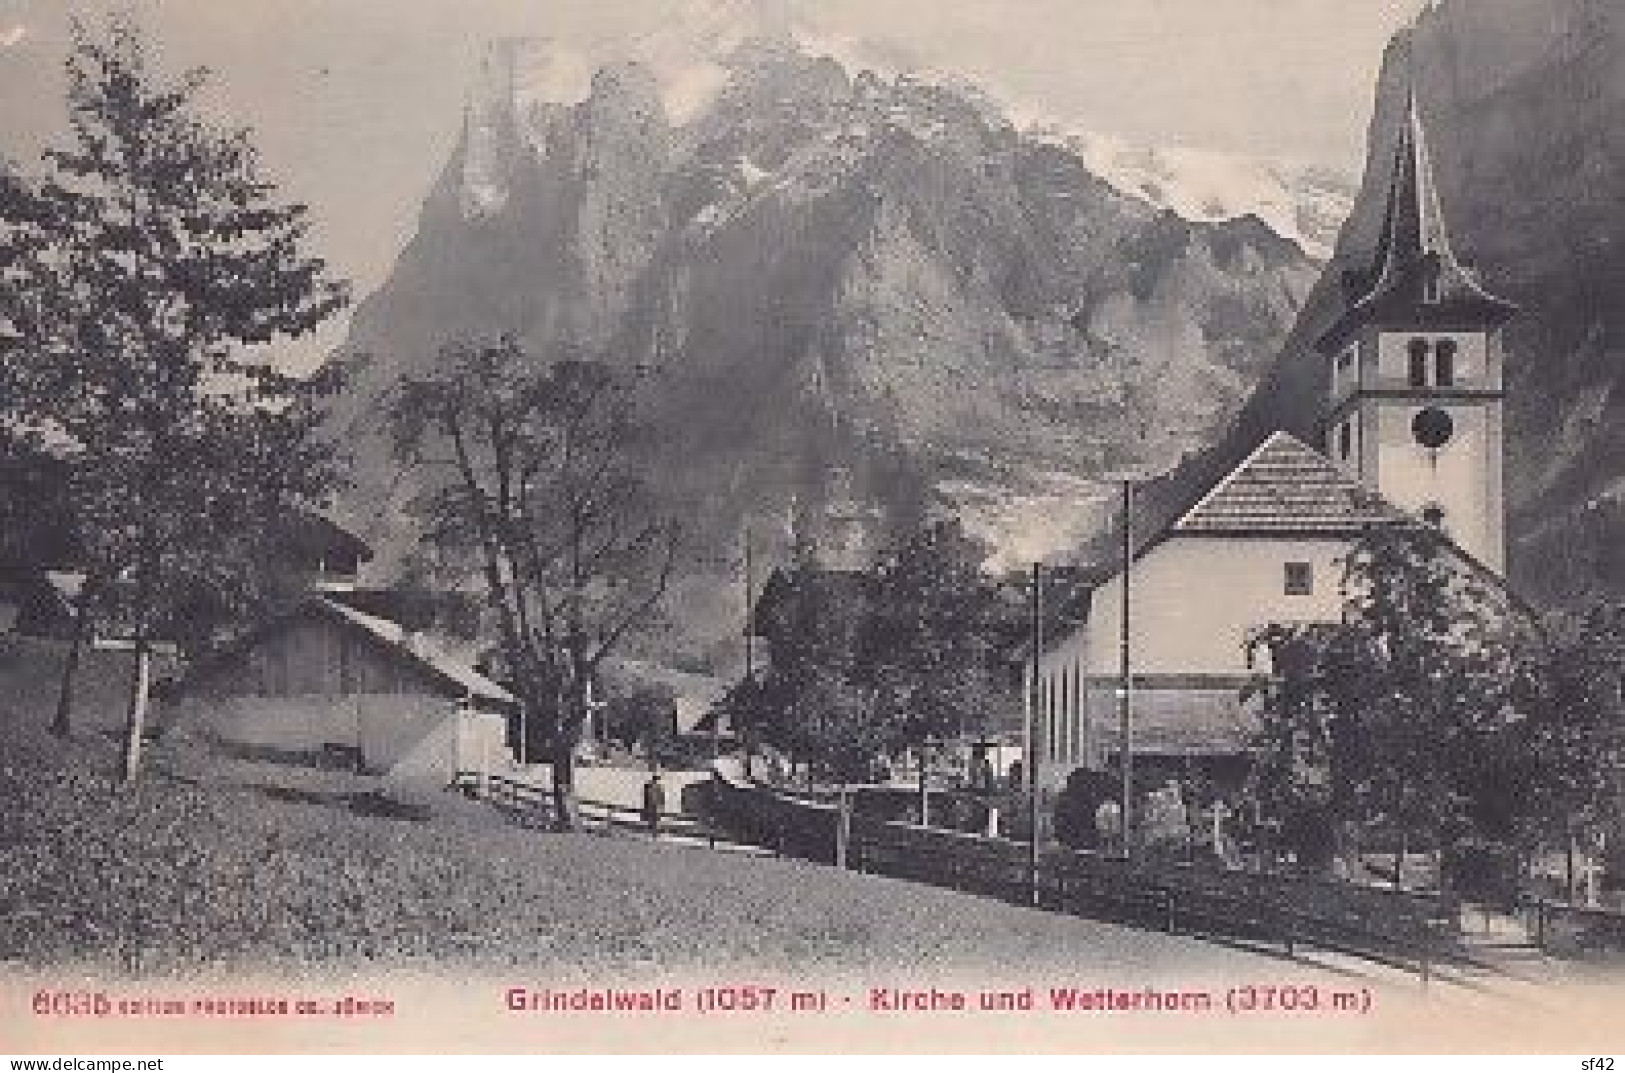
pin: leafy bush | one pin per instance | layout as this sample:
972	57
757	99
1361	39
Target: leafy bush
1485	871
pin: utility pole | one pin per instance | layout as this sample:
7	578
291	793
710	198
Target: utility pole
1029	751
750	627
1126	693
749	687
925	784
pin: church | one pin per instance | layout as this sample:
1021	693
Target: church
1411	429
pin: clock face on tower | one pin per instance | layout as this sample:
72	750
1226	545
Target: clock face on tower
1432	428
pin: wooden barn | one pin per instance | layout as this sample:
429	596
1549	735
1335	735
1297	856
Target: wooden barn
325	678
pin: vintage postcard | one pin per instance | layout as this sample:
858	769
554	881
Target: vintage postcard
789	526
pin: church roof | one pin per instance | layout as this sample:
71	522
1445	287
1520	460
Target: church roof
1415	274
1286	487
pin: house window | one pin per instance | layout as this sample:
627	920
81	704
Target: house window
1064	717
1345	440
1300	579
1419	362
1444	363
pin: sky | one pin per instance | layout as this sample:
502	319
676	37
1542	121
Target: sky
356	104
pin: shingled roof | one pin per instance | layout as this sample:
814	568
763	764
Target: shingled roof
1285	486
454	675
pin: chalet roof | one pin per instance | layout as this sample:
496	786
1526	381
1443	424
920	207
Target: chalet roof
1286	487
693	695
315	534
456	676
1415	274
420	650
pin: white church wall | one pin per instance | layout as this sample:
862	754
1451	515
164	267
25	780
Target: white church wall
1458	478
1194	599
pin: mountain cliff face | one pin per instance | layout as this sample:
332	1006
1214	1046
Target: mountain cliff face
1524	101
835	278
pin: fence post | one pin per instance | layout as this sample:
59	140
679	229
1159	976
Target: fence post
843	829
709	806
1427	954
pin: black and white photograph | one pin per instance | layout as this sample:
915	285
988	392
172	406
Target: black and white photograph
812	526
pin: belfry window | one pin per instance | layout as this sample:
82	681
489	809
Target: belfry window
1345	440
1444	363
1419	362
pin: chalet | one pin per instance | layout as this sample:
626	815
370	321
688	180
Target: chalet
1412	431
324	678
324	551
691	699
41	588
38	603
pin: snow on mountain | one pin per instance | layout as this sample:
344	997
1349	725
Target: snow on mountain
691	55
1303	202
688	56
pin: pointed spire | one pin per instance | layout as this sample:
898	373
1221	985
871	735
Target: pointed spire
1415	273
1415	252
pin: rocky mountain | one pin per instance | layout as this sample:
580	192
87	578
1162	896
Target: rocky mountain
1524	101
848	286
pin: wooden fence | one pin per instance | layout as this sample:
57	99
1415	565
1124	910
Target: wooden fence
1573	930
532	806
1410	929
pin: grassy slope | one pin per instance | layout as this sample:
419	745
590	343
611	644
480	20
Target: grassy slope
212	863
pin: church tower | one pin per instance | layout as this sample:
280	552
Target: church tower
1417	371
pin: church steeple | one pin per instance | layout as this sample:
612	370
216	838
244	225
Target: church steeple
1416	384
1415	275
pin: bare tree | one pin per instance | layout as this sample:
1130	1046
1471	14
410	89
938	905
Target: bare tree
535	479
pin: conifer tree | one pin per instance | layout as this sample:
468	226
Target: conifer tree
143	273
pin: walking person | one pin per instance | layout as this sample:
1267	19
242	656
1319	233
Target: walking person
654	802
